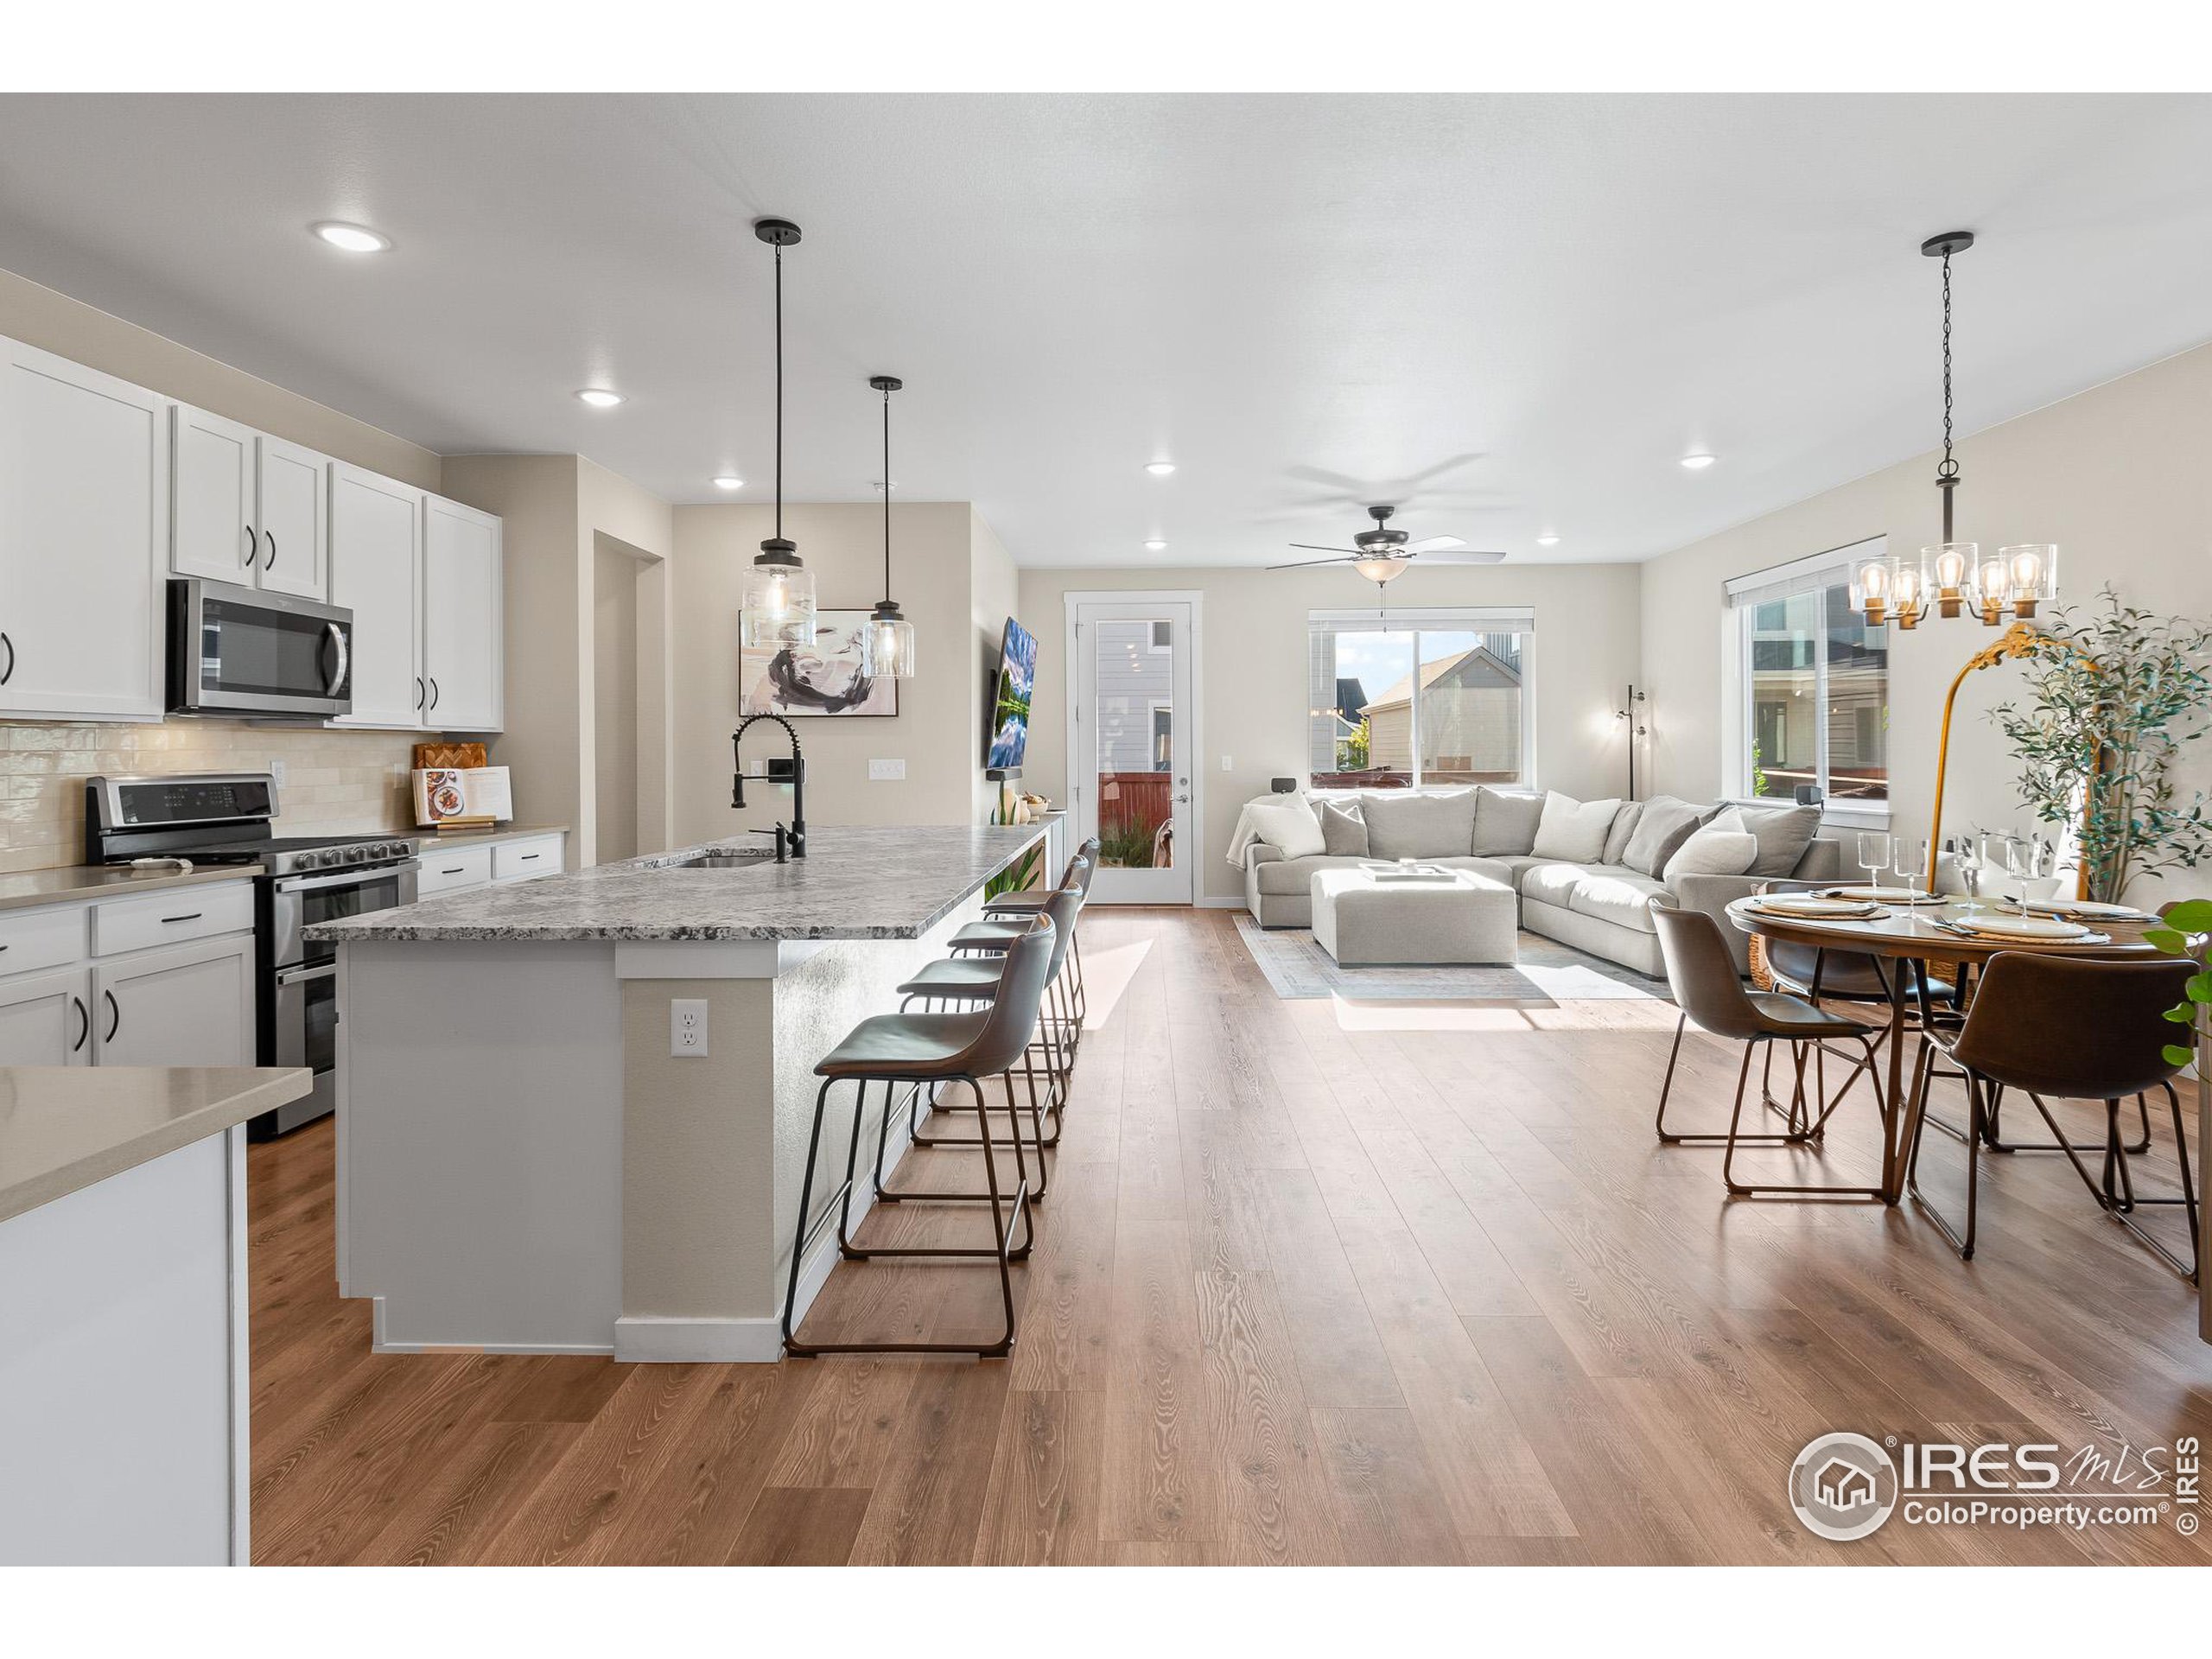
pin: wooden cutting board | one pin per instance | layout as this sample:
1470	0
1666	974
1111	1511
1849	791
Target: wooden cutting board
459	756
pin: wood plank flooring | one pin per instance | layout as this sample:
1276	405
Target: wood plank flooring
1395	1284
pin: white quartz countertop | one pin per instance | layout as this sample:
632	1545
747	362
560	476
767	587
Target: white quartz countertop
877	883
63	1127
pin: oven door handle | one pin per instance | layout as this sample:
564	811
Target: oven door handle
355	877
306	975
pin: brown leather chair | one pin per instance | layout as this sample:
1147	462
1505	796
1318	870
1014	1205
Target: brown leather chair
919	1051
1701	974
2066	1028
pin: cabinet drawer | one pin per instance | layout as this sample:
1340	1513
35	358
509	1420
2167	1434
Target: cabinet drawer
41	938
518	860
172	917
448	869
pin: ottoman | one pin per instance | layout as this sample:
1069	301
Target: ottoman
1363	919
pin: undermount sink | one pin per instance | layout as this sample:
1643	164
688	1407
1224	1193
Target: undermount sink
728	859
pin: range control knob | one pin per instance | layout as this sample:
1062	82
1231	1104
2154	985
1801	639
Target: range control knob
329	857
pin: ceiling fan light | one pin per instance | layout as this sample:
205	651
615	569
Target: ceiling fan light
1379	569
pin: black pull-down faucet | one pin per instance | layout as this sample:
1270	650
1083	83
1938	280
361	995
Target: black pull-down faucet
796	838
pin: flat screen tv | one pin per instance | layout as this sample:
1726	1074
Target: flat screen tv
1010	705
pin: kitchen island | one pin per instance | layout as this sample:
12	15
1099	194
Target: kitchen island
539	1151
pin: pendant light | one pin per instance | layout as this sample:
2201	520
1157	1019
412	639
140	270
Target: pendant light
779	589
888	648
1952	575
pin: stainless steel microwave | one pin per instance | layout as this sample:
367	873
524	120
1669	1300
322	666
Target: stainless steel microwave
239	652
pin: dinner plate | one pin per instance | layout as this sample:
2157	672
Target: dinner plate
1809	906
1891	896
2049	928
2093	909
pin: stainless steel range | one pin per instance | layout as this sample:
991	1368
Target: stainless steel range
228	818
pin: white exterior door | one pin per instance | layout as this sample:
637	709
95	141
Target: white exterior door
47	1019
376	572
212	530
1133	743
292	519
460	617
84	540
189	1006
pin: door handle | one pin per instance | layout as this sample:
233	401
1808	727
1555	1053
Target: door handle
115	1016
252	546
338	638
84	1031
270	564
8	673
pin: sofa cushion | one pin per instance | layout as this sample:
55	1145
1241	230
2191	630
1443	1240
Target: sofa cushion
1410	825
1495	869
1284	875
1287	826
1713	851
1505	823
1613	893
1343	831
1574	830
1663	825
1550	884
1783	832
1624	822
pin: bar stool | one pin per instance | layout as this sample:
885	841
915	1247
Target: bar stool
990	936
970	981
1027	903
1701	974
922	1051
2071	1028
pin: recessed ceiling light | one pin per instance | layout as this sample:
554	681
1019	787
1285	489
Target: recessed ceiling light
599	397
1547	539
1156	546
729	481
1699	463
1159	468
354	238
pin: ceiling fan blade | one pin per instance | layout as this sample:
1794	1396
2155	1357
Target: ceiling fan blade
1304	564
1312	547
1436	544
1470	556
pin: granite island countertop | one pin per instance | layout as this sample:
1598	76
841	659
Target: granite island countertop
64	1128
854	883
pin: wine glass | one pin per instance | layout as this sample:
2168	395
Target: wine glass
1873	857
1967	852
2019	865
1909	860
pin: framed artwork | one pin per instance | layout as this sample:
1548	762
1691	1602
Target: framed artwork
825	681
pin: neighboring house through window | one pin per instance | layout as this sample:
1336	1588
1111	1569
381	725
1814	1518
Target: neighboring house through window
1810	687
1454	705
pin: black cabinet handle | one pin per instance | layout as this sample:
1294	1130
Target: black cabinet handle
193	916
115	1016
270	564
251	545
458	870
418	690
434	691
85	1031
531	858
8	673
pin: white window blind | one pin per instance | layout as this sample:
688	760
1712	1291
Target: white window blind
1813	575
1450	619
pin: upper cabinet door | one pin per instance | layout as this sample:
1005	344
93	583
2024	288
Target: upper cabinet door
212	530
293	519
376	572
461	600
84	540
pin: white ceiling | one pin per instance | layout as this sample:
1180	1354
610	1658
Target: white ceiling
1508	313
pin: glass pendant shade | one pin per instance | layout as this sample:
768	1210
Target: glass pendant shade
1992	588
1945	570
888	645
1870	591
1379	570
1908	588
2031	569
778	603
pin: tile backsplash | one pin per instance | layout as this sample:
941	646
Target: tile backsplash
333	780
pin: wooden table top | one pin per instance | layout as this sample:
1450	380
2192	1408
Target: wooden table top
1908	930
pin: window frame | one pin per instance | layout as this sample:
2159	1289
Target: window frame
1519	620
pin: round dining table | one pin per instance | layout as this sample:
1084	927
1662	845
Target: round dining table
1905	934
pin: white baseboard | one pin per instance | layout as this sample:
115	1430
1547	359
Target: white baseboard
1221	904
381	1343
641	1338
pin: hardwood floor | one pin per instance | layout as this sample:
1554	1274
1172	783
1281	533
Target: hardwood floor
1422	1290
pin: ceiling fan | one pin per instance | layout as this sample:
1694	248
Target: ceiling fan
1381	553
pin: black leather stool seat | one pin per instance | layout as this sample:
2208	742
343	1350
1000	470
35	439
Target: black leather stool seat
902	1046
964	978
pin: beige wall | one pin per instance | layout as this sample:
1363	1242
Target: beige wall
615	699
936	731
2116	476
1253	666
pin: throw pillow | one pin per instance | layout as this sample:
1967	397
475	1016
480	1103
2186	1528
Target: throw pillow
1664	825
1287	826
1403	824
1344	832
1505	823
1712	851
1624	821
1785	833
1574	830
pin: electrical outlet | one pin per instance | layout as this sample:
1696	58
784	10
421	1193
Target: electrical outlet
1225	765
687	1027
886	771
276	772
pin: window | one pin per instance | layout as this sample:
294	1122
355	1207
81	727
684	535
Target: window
1404	698
1812	681
1163	636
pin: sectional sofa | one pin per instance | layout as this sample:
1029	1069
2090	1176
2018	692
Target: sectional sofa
1597	904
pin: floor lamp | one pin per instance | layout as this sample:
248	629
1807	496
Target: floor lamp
1637	728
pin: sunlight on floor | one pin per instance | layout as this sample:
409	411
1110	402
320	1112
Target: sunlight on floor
1106	977
1611	1014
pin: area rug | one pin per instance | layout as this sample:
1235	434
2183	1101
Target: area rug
1548	973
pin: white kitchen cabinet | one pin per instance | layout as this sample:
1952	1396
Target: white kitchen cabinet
292	497
47	1019
191	1005
212	519
461	604
84	540
376	572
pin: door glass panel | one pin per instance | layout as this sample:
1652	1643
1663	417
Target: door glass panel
1136	762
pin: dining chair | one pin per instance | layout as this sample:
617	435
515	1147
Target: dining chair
2064	1028
1702	977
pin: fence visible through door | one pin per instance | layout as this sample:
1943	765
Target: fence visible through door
1133	743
